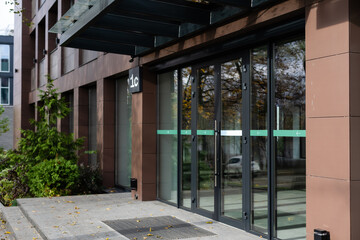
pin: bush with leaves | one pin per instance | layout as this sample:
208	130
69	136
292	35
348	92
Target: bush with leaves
55	177
46	160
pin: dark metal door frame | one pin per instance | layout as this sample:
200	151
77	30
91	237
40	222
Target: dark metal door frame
245	222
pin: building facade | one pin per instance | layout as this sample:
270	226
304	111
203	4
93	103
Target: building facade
242	111
6	88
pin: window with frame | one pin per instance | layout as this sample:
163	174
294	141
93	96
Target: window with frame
5	91
5	58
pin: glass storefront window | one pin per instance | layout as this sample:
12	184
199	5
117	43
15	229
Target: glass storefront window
231	139
256	147
258	139
5	58
186	137
167	136
289	138
123	133
205	137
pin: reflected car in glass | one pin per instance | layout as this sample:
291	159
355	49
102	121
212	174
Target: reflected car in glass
234	166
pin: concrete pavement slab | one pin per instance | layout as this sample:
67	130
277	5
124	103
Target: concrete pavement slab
81	217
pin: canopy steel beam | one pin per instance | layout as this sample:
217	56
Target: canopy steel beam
161	11
234	3
207	6
102	46
118	37
130	24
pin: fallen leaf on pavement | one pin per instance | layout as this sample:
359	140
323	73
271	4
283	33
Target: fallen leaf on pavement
209	222
7	232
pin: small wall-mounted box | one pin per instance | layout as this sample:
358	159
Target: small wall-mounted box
320	234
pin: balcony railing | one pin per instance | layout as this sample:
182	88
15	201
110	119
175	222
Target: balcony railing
69	59
42	77
33	80
54	64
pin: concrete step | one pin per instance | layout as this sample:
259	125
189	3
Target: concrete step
18	224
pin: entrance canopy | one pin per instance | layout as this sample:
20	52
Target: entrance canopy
135	27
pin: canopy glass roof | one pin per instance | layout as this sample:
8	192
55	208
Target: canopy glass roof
134	27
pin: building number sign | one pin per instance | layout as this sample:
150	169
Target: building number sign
135	80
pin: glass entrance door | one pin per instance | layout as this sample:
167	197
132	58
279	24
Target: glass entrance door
218	146
232	74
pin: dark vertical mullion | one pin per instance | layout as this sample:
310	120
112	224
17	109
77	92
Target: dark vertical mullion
217	159
179	143
157	135
246	90
273	143
194	173
270	143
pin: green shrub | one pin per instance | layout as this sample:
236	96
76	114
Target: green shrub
55	177
12	185
45	163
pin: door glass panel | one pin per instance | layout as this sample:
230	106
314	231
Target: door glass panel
123	133
231	139
186	136
205	137
258	140
167	136
289	138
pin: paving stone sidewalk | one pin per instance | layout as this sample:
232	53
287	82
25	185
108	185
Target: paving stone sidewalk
81	217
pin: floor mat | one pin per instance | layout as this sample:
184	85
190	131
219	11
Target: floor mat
164	227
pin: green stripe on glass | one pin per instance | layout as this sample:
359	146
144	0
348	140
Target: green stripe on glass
167	132
185	132
205	132
258	133
289	133
173	132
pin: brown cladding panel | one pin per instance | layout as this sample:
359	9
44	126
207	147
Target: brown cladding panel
327	29
327	147
327	86
328	207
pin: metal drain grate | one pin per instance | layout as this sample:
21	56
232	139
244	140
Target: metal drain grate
165	227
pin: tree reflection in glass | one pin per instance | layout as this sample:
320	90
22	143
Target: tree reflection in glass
231	139
205	137
186	136
258	139
290	145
